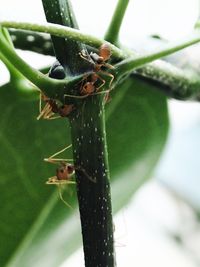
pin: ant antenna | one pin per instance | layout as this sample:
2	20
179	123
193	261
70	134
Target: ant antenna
61	197
59	152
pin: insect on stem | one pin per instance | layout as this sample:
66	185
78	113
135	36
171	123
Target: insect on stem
98	63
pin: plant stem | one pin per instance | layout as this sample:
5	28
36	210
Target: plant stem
61	12
65	32
128	65
14	74
174	82
90	158
112	33
179	84
36	42
36	77
90	154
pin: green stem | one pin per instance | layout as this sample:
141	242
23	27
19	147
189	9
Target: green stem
90	155
174	82
112	33
36	77
14	74
65	32
128	65
27	40
61	12
155	71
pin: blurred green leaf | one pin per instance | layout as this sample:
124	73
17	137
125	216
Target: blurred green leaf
36	228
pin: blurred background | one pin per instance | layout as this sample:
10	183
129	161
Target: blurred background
160	226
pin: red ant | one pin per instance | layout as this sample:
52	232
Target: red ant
51	107
88	87
64	172
97	61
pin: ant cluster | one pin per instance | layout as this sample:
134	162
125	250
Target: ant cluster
89	86
98	62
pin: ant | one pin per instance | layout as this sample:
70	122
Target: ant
64	172
51	107
98	61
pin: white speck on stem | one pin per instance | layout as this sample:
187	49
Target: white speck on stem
30	38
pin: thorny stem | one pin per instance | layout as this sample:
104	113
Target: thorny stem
117	18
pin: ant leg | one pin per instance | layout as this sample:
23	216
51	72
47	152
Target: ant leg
102	92
57	161
85	57
44	112
53	118
61	197
109	75
79	168
84	96
109	66
52	158
106	98
76	96
54	180
40	103
102	82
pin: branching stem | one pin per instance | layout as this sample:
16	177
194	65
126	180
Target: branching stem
117	18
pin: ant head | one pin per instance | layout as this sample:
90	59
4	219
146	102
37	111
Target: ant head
104	52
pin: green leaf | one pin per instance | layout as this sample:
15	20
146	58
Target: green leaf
137	127
36	228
